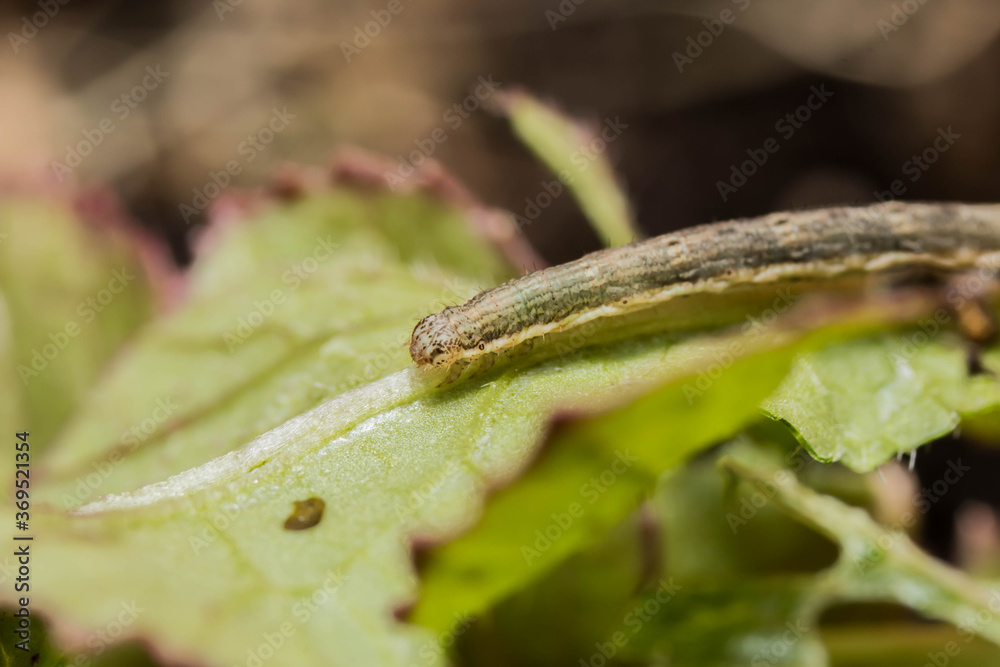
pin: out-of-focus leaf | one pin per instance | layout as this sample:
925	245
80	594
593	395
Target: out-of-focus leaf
862	402
43	652
876	644
713	532
577	155
558	619
736	572
70	296
876	564
727	595
684	547
11	411
774	620
756	621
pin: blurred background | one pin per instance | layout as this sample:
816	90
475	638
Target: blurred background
715	109
154	98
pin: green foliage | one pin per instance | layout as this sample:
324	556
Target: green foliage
284	312
70	294
569	498
863	402
578	155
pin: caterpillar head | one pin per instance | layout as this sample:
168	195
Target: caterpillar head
435	342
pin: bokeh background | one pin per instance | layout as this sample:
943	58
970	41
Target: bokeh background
151	99
897	71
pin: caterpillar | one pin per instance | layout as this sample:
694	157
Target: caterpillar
818	244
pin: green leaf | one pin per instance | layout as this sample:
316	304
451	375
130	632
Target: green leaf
577	155
284	311
217	421
69	297
582	484
205	556
339	284
204	553
11	410
511	546
864	401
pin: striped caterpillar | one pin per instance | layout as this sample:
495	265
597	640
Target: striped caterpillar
820	245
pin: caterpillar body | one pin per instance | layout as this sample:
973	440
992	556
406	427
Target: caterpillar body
816	245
